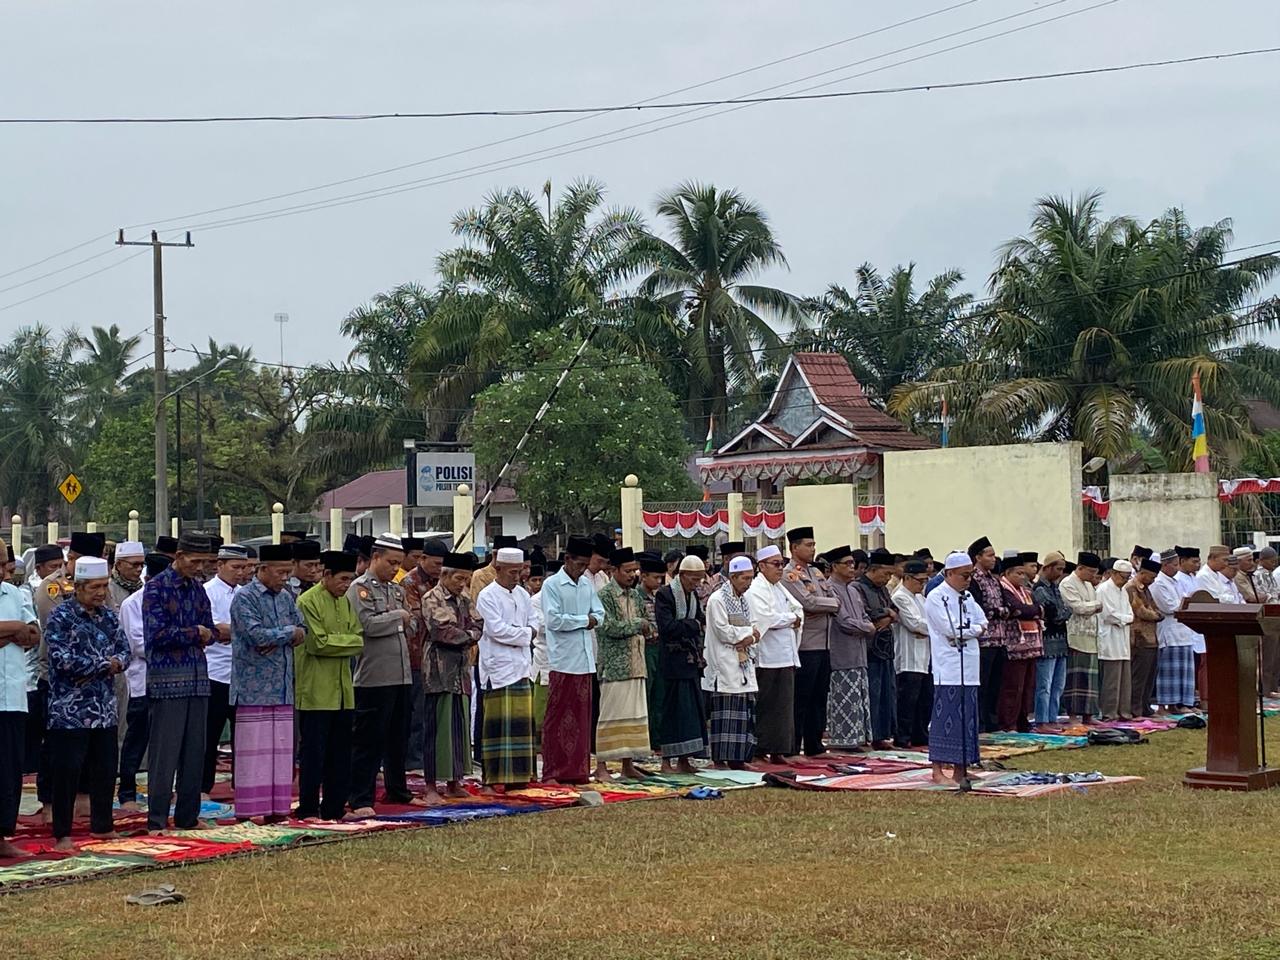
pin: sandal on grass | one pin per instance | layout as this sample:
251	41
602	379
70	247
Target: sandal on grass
156	896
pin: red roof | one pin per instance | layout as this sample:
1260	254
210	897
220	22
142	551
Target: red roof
383	487
834	386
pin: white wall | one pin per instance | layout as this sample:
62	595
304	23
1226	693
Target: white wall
1160	510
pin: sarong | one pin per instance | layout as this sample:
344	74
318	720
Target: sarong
733	736
508	754
656	689
1176	676
1080	696
264	761
775	709
539	709
566	734
849	708
623	729
953	729
446	736
684	720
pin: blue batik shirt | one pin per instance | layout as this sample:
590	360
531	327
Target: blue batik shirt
173	608
262	625
81	644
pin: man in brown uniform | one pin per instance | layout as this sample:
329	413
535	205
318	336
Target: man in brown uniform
1143	646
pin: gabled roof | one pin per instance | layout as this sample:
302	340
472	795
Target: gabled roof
382	487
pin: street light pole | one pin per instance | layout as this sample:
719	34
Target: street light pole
177	392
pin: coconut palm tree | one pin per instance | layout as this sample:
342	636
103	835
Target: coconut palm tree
38	373
704	278
1097	326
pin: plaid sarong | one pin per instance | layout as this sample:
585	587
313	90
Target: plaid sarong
1176	676
508	754
849	708
1080	696
733	727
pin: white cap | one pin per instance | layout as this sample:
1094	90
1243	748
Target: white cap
1122	566
130	548
388	541
956	560
768	553
691	564
1243	551
740	565
510	555
91	568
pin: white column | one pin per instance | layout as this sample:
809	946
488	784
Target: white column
53	532
632	513
335	528
277	521
173	527
463	506
133	525
15	534
735	516
90	527
395	518
224	527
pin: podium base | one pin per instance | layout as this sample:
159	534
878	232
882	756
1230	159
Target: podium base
1260	779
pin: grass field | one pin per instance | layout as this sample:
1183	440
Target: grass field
1148	870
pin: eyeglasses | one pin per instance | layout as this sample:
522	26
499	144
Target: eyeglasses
770	563
845	563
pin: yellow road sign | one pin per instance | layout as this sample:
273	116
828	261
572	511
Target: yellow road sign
70	488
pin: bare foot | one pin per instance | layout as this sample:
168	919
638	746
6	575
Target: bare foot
46	814
109	835
361	813
9	851
602	773
721	765
64	846
456	791
667	767
778	759
685	765
81	809
488	791
131	805
431	798
629	771
939	775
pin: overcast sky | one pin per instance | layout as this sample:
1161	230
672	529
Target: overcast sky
940	178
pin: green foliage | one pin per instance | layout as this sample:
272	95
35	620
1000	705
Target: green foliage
606	422
118	472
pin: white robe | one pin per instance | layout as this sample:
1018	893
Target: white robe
774	611
1114	621
951	615
911	653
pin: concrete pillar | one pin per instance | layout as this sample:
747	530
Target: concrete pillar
90	527
1158	510
224	528
632	513
133	525
335	528
175	527
15	534
53	532
463	506
735	515
277	521
395	518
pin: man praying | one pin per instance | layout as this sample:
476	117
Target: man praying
955	622
622	732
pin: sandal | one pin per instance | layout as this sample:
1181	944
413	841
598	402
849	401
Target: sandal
156	896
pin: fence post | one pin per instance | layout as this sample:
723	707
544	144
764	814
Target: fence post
335	528
15	534
173	527
53	532
632	513
90	527
735	516
224	528
133	525
395	518
277	521
463	505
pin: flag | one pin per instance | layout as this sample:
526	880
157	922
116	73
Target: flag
944	421
706	452
1199	441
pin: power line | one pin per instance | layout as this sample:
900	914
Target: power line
668	105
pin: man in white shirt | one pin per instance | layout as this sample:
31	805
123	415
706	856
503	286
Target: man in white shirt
138	730
19	632
1114	619
507	752
570	612
234	570
955	622
1213	576
779	618
1175	664
911	657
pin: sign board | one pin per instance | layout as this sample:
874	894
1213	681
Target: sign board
70	488
436	476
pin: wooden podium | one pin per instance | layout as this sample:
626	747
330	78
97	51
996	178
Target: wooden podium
1231	634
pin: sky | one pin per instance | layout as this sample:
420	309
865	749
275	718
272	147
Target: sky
941	178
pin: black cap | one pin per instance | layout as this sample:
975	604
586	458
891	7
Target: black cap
672	556
434	548
335	561
700	551
537	555
799	533
166	544
305	549
294	534
1067	566
881	557
196	541
924	553
1150	563
366	546
1086	559
460	561
156	563
537	569
1187	553
1028	556
915	567
622	555
732	547
411	543
651	565
499	542
47	552
978	546
601	545
836	554
579	547
351	544
1141	551
277	552
88	544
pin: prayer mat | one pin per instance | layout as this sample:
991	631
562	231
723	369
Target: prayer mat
260	834
16	874
436	816
168	848
508	751
993	784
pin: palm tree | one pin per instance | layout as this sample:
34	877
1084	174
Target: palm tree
888	333
1098	325
37	374
702	277
101	372
522	271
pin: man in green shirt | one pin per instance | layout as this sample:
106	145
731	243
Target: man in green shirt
323	689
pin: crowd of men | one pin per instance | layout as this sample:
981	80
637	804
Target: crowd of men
397	655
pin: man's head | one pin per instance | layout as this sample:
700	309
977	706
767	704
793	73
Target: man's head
337	571
1169	562
456	570
601	549
626	568
957	571
672	560
412	552
91	578
1087	566
692	571
1188	560
1138	554
1217	559
232	560
364	554
880	566
167	546
1147	570
741	573
915	574
982	554
130	556
508	565
306	561
275	564
431	560
801	544
843	565
1120	572
1052	569
577	555
730	549
925	554
770	564
196	551
48	560
653	573
1244	556
1029	560
156	564
534	577
1268	558
385	557
84	545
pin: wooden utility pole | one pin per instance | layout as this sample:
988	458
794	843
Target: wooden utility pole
162	435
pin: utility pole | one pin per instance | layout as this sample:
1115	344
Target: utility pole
282	319
162	434
199	464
